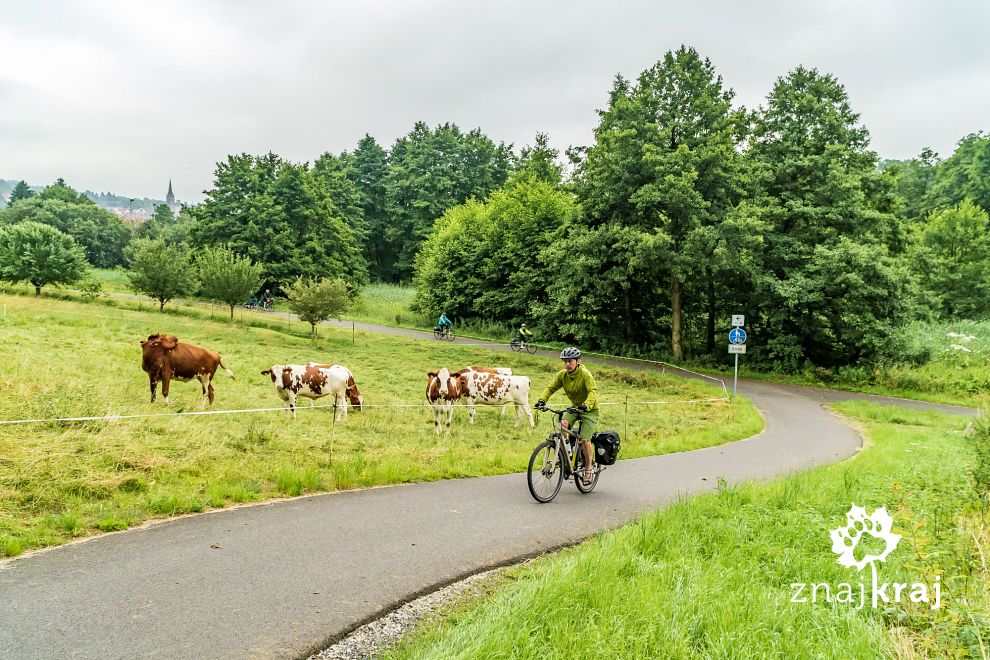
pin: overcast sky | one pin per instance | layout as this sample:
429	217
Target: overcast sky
123	96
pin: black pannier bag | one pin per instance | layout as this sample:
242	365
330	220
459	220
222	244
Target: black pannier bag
606	447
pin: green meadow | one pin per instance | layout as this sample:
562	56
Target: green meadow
713	575
63	480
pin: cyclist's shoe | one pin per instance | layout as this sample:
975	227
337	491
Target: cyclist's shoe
587	476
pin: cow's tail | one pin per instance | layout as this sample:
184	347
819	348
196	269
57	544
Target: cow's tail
229	372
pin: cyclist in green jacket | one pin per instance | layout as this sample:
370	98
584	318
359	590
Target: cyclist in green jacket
579	386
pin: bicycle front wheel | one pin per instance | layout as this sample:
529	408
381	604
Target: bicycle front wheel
450	335
544	475
530	348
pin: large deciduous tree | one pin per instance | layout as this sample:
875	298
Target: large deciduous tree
483	259
276	213
824	201
101	234
39	254
963	175
227	277
433	170
162	271
369	171
952	259
665	163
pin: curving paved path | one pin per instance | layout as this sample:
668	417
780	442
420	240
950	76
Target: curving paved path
286	578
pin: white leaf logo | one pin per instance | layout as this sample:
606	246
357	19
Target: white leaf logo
845	539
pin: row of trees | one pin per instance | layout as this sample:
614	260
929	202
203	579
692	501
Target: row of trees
686	210
41	255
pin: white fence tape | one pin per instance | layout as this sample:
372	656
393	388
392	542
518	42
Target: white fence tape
201	413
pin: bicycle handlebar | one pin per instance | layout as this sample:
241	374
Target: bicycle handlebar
572	410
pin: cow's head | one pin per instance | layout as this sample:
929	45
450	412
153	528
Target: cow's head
446	384
158	341
353	393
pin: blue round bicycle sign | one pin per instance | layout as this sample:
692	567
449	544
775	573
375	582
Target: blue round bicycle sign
737	336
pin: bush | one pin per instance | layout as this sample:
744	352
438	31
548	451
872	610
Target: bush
91	288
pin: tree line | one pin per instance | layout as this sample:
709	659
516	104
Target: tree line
684	210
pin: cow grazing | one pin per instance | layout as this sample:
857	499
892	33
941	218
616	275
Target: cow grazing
165	358
314	381
443	389
492	388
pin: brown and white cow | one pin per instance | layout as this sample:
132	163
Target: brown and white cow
493	387
313	381
443	389
165	358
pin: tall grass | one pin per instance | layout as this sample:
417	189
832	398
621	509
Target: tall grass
60	480
711	576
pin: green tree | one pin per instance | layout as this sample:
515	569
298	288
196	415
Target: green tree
913	180
540	161
276	213
315	301
20	191
433	170
822	197
482	260
227	277
596	291
101	234
369	171
158	224
39	254
963	175
162	271
665	160
332	174
952	259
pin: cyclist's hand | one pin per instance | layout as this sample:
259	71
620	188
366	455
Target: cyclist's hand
541	404
582	407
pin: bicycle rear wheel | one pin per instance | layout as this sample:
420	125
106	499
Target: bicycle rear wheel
579	474
514	344
544	475
437	334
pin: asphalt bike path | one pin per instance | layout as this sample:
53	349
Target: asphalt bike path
284	579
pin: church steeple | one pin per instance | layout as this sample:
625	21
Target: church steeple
170	198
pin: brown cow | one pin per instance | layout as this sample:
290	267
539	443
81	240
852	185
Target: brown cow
443	389
166	358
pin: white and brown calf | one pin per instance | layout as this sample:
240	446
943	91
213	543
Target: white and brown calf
315	381
490	388
443	389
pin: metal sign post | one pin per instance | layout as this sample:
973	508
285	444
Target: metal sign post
737	346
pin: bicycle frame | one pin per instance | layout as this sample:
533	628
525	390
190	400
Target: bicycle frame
568	443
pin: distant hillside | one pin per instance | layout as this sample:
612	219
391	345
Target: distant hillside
138	207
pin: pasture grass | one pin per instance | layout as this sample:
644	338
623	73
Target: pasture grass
711	576
63	480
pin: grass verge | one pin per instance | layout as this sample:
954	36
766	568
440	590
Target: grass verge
711	576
